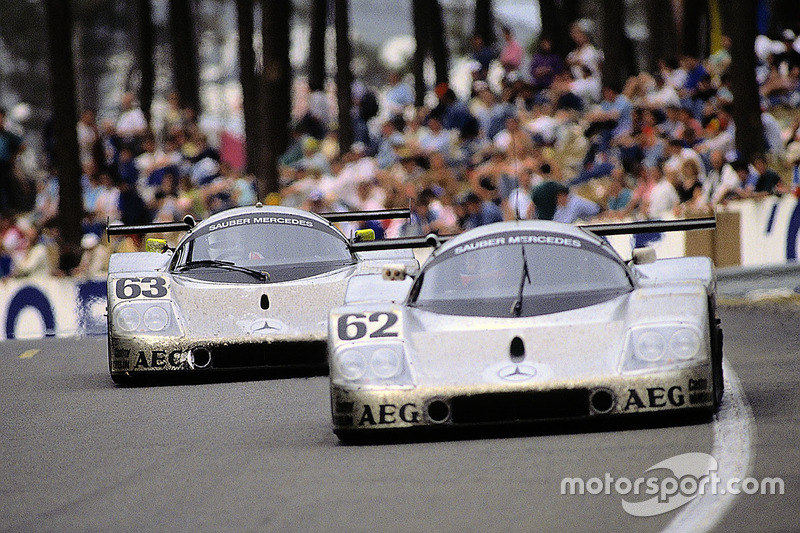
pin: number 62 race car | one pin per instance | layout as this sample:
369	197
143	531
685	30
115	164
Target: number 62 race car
246	288
525	321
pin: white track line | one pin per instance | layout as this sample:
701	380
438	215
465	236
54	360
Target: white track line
734	436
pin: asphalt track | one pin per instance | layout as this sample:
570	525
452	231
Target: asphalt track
80	454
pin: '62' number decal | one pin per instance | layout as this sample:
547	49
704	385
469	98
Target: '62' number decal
129	288
356	325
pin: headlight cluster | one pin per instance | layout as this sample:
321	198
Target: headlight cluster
149	317
656	345
378	364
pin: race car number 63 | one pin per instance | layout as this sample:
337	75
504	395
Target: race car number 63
129	288
356	325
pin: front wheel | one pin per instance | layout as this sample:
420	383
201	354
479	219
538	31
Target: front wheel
716	365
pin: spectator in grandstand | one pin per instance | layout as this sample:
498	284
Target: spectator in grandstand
511	53
37	258
131	124
545	64
768	182
572	207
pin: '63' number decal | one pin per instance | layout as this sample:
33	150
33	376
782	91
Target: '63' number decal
377	325
129	288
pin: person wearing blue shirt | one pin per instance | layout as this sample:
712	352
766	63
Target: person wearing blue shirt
572	207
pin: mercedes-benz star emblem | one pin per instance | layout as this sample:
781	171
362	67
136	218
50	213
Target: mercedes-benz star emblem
517	372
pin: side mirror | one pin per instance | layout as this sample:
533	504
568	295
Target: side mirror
364	235
643	256
394	272
158	246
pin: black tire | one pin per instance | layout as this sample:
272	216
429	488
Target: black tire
121	379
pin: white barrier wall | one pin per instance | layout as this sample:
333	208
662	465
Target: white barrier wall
764	231
46	307
750	233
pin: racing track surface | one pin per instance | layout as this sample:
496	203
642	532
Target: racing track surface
80	454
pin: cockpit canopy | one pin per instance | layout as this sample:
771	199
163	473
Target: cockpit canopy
285	246
524	273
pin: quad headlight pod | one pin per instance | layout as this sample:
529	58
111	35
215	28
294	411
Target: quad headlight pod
383	364
650	345
148	317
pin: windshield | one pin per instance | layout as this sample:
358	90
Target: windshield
282	247
494	277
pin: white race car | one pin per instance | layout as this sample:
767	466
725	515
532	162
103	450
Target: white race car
526	321
247	288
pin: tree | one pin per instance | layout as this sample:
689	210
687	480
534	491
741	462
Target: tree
695	28
145	18
65	116
557	16
344	76
316	54
484	21
419	14
438	42
739	21
661	24
250	90
184	52
275	90
617	70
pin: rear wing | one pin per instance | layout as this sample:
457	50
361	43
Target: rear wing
189	222
617	228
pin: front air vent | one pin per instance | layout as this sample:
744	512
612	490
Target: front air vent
517	350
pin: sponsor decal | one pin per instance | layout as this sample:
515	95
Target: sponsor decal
291	221
389	413
544	239
518	239
698	384
156	359
655	398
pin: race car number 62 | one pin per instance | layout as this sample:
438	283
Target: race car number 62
129	288
355	326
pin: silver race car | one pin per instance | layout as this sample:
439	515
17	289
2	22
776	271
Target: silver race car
247	288
526	321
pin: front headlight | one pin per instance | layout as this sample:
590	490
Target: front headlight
385	363
351	364
685	343
380	365
649	346
145	317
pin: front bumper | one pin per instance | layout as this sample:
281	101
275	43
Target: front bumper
128	357
373	410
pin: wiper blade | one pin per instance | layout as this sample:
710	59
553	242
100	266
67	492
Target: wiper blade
226	265
516	307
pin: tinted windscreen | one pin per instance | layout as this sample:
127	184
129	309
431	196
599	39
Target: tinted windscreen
288	247
488	277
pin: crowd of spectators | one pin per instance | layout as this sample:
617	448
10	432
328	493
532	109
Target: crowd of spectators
535	136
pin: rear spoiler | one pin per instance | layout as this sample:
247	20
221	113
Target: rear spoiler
618	228
189	222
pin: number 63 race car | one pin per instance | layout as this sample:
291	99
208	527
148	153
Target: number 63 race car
526	321
247	288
